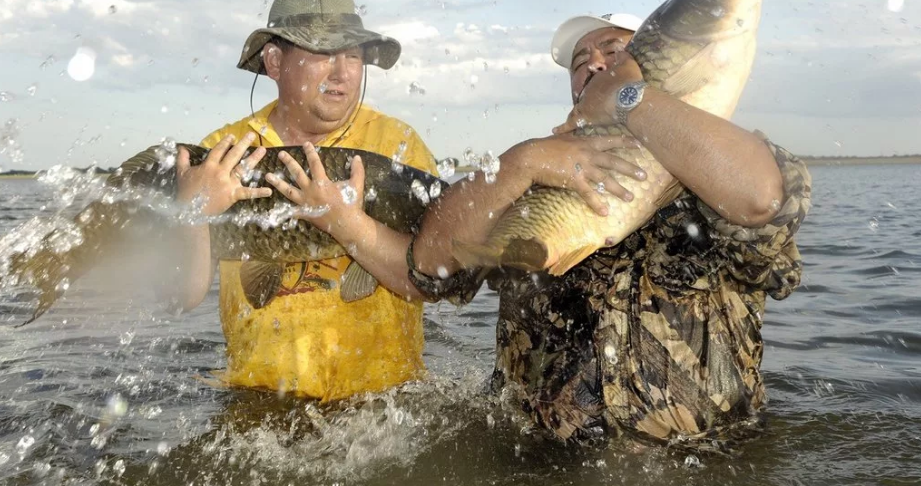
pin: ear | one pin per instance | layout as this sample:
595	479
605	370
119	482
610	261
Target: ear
271	57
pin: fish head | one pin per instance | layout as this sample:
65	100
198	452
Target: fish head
700	51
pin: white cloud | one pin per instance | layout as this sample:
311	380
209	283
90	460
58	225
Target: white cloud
410	32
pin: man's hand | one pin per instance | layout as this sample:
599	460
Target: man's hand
315	193
219	179
582	164
597	104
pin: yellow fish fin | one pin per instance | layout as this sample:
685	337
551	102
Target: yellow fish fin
530	255
472	255
694	74
260	281
357	283
571	259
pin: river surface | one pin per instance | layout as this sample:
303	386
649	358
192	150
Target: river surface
106	388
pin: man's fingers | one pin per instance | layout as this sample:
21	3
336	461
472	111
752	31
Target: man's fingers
591	196
217	152
603	143
612	162
317	171
182	163
283	187
357	180
235	154
242	193
295	170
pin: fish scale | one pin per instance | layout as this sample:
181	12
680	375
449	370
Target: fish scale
685	49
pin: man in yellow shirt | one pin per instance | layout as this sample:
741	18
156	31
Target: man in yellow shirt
307	340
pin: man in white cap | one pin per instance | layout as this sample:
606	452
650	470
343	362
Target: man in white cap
659	336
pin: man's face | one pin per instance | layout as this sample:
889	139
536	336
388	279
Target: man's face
321	86
593	54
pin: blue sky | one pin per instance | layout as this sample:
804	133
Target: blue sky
830	78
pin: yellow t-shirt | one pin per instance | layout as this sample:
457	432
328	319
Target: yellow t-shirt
307	341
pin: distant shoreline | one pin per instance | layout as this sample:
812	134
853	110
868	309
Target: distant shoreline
810	161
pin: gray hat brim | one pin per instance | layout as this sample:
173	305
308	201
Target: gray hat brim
322	34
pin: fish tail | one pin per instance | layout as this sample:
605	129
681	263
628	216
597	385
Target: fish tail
64	254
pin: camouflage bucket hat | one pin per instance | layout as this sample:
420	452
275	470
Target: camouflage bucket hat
320	26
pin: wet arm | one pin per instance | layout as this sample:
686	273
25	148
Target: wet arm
729	168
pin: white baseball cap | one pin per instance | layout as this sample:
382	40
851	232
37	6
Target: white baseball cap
568	33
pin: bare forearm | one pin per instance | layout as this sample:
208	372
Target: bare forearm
382	252
729	168
196	269
466	212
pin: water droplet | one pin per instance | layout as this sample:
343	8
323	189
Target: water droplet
116	406
474	79
896	5
419	191
693	230
442	272
485	66
163	448
5	96
717	12
32	89
323	87
691	461
610	353
349	194
49	61
434	191
371	194
415	88
361	10
119	468
164	109
112	9
505	69
22	447
4	458
873	225
447	167
525	212
82	65
194	61
838	143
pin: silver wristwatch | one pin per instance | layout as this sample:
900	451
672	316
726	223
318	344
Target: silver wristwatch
629	97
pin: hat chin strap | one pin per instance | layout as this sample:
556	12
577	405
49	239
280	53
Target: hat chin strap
364	88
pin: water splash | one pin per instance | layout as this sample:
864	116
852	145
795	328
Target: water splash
415	88
447	167
9	142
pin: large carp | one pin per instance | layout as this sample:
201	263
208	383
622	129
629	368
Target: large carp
699	51
261	232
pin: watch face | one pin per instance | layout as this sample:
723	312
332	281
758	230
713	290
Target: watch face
628	96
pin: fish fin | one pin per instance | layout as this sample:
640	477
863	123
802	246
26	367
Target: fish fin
693	75
530	254
260	281
472	255
571	259
357	283
44	271
670	193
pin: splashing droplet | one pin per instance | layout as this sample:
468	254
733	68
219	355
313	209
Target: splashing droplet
349	194
323	87
447	167
82	66
5	96
371	194
419	191
415	88
32	89
112	9
361	10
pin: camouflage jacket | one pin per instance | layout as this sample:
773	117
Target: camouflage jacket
659	336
